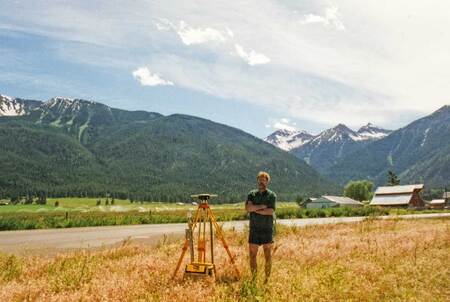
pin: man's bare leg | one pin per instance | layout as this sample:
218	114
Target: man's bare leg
268	256
253	252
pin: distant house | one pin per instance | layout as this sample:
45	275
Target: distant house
309	200
328	201
399	196
440	203
436	204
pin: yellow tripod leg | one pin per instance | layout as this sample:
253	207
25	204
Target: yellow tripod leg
222	239
185	246
183	252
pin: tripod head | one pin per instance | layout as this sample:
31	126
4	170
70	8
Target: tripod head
204	197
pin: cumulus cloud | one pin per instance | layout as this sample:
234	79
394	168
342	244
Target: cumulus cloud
251	57
147	78
230	32
194	35
282	124
162	26
330	19
190	35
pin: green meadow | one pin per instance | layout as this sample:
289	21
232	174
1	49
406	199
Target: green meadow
120	205
84	212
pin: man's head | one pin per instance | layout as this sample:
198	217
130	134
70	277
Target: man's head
263	179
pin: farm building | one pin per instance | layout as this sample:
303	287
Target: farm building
440	203
436	204
399	196
310	199
328	201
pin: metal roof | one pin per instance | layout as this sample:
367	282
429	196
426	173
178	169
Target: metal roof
399	199
437	201
341	199
398	189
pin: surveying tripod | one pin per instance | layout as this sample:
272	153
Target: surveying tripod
202	217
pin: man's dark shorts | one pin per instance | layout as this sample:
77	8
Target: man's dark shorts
260	235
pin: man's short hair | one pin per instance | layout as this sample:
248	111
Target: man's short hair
263	174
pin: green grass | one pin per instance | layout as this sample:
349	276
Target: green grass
90	205
23	208
83	212
19	221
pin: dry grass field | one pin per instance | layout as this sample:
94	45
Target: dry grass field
394	260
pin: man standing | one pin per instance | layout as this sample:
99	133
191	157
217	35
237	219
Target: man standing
261	206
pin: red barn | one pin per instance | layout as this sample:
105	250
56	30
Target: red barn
407	196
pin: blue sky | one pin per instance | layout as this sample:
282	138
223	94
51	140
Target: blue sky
258	66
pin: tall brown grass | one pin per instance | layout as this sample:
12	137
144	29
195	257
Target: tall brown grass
395	260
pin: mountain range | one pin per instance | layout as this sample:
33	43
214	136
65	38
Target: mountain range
288	139
74	147
328	147
418	152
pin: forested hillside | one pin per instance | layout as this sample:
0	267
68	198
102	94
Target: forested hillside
81	148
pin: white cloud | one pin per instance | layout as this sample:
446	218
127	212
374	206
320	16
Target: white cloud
252	57
330	19
191	35
230	32
147	78
311	18
162	26
281	124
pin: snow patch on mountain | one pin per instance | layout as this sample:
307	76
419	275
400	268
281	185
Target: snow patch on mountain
287	139
371	132
425	135
10	106
64	104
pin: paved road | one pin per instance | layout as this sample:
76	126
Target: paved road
51	241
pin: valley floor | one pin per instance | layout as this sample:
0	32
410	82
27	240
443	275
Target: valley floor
372	260
83	212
